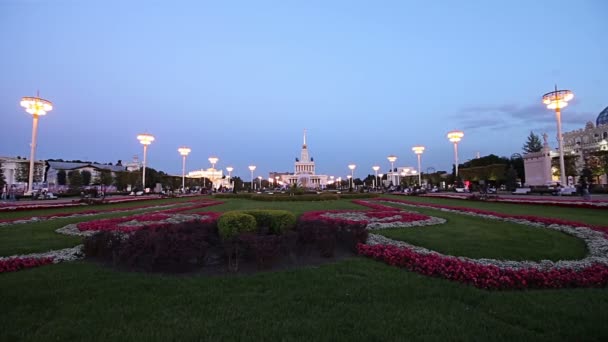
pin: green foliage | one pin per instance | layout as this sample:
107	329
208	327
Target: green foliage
533	144
569	164
105	177
511	178
75	179
22	172
86	177
2	179
233	195
278	221
232	223
61	177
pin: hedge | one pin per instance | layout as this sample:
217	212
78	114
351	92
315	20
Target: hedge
277	221
233	223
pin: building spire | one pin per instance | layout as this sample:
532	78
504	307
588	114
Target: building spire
304	136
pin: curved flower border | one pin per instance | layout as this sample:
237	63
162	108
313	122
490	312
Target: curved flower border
592	271
374	219
571	203
187	205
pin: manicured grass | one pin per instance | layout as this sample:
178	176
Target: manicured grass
359	299
78	209
590	216
296	207
481	238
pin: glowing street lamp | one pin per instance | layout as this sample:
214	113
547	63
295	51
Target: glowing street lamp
381	175
392	159
213	161
184	151
352	173
230	169
350	180
37	107
419	150
376	168
455	137
557	100
252	168
260	180
145	139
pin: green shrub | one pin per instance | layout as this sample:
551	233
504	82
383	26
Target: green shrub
277	221
233	223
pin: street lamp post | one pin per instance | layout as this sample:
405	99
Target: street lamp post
381	175
352	174
251	168
37	107
376	168
229	169
557	100
419	150
260	180
392	159
350	180
145	139
213	161
455	137
184	151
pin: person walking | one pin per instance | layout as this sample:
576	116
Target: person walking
4	192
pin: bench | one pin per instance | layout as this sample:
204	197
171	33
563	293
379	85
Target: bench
521	191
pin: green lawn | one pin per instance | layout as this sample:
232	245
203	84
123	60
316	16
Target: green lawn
359	300
480	238
355	299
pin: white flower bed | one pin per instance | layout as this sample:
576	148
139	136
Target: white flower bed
375	223
596	242
59	255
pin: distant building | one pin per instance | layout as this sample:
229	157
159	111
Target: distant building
582	143
95	169
304	172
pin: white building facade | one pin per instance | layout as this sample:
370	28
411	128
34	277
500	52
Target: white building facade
305	171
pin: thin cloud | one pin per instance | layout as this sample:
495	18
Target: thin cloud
510	115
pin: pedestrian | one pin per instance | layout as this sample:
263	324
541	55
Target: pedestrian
4	192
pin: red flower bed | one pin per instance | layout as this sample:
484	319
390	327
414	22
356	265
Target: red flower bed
92	211
403	216
570	203
544	220
113	224
485	277
16	264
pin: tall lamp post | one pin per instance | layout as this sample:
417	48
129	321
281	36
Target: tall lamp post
376	168
184	151
352	174
392	159
230	169
350	180
381	175
557	100
251	168
419	150
260	180
37	107
145	139
455	137
213	161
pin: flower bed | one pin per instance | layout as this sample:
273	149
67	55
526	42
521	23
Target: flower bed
492	214
188	205
592	271
16	264
568	203
486	276
375	219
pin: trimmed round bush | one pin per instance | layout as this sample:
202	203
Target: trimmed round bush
277	221
233	223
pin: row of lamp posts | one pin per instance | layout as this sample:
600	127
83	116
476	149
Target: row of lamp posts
37	106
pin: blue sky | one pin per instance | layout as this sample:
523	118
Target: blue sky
242	79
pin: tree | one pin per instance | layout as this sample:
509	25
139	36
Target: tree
61	177
86	177
105	178
75	179
533	144
22	173
2	179
511	178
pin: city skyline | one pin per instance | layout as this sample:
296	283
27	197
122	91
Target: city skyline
242	82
